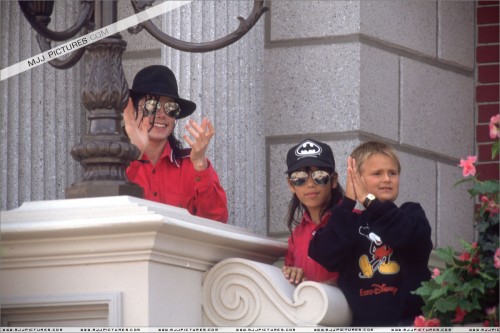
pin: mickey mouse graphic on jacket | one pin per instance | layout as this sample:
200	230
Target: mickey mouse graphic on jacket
382	252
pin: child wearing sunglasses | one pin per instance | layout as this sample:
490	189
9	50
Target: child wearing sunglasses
381	253
313	182
168	173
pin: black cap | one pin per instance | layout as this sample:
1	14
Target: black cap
310	153
160	80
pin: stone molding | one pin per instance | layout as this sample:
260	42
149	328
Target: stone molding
123	229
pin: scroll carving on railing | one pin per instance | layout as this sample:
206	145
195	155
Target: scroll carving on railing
239	292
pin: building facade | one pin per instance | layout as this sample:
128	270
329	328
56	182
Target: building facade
343	72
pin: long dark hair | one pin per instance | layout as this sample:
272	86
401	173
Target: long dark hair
175	144
296	209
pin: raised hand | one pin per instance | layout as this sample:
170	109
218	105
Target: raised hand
133	127
357	181
349	191
201	134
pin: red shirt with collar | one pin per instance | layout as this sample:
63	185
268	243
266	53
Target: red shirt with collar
174	181
298	246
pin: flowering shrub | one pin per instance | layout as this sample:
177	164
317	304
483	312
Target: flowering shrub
466	291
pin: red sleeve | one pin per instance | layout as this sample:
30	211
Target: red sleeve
289	260
209	199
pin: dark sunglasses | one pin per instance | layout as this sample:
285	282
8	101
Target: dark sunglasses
170	109
299	178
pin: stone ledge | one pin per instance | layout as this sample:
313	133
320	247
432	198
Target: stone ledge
123	228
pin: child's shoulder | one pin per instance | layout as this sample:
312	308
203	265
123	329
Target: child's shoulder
411	205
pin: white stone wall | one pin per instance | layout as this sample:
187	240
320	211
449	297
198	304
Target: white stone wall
339	71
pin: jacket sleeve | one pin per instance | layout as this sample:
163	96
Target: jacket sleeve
209	200
406	227
289	259
332	244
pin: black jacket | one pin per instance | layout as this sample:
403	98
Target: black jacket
381	254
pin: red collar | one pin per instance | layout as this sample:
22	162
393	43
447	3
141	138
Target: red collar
324	219
167	152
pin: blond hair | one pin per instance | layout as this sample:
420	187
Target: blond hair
364	151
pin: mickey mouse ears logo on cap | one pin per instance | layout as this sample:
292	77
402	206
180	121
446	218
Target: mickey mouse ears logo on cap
308	149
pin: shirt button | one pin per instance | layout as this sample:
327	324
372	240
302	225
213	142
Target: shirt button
197	179
155	194
154	171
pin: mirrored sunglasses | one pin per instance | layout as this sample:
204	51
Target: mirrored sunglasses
170	109
299	178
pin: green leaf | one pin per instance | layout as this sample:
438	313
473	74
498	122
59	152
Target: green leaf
450	276
482	226
495	149
425	290
468	288
467	246
477	284
437	293
447	304
468	306
447	254
475	304
486	276
489	186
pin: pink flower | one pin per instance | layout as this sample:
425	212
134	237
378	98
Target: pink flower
491	311
464	256
468	166
459	315
488	323
491	205
420	321
496	258
494	127
433	322
435	273
472	270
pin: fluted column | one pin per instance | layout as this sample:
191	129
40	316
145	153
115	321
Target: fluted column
41	113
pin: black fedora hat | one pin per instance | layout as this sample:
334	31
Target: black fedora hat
160	80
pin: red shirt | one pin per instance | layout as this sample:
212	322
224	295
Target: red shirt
296	255
174	181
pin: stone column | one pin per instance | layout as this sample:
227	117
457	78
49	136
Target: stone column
41	116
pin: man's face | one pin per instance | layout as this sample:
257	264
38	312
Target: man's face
159	125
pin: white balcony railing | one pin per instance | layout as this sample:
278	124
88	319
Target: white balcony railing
123	261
